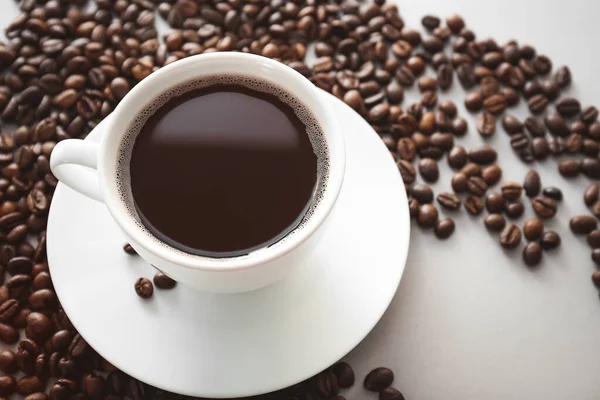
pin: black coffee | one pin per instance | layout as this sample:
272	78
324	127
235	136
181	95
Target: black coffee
222	170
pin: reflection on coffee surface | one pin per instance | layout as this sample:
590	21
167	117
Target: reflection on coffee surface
226	168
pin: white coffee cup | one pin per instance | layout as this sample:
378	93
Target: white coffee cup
91	169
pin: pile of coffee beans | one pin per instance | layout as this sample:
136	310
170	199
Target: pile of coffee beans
66	66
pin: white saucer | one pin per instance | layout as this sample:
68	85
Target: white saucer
231	345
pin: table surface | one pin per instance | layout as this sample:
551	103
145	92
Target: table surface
470	321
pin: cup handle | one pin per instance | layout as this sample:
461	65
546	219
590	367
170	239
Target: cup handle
68	163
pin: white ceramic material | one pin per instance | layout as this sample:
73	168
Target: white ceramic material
254	270
225	345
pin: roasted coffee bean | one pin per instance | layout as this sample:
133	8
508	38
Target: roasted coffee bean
563	76
550	240
568	106
390	393
537	103
593	239
378	379
19	265
510	237
532	254
477	186
471	169
459	182
590	167
533	228
344	374
8	334
590	148
486	124
483	155
144	288
39	324
413	207
129	249
473	205
556	145
428	216
8	362
407	171
491	174
573	143
449	201
589	115
540	149
428	168
569	168
422	193
511	190
544	207
495	104
514	210
512	125
596	209
443	141
535	127
494	202
405	76
596	274
8	309
532	184
406	149
583	224
553	192
556	124
494	222
474	101
444	228
590	196
162	281
596	259
489	87
457	157
430	22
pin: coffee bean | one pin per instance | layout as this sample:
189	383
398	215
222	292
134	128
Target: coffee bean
430	22
532	254
510	237
563	76
495	104
8	309
511	190
494	202
144	288
449	201
590	196
533	228
457	157
554	193
550	240
344	374
573	143
486	124
535	127
583	224
489	87
8	334
590	148
512	125
532	184
428	216
537	103
596	209
422	193
494	222
459	182
444	228
556	124
405	76
413	207
491	174
568	106
473	205
476	186
406	149
514	210
544	207
428	168
483	155
569	168
596	277
390	393
589	115
474	101
129	249
407	171
596	259
591	167
378	379
593	239
471	169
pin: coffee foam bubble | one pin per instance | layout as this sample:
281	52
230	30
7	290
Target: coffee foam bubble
313	129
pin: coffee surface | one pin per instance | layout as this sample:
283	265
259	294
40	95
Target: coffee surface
222	170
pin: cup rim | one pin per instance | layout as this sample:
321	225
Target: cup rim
123	115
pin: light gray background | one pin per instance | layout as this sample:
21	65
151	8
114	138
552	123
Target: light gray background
470	321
